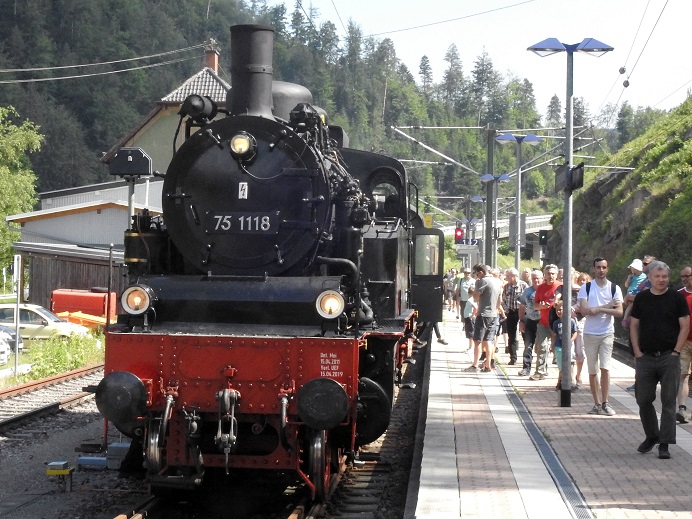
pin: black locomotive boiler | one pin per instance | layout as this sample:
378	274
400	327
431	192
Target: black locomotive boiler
270	308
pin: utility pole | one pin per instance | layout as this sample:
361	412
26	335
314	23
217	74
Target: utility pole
491	200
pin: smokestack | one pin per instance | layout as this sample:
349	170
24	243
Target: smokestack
252	48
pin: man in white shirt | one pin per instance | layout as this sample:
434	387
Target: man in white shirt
600	301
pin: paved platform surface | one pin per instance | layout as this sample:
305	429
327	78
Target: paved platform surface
499	446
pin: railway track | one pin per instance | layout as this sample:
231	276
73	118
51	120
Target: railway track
31	400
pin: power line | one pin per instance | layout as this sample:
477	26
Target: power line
623	69
39	80
647	40
36	69
339	17
453	19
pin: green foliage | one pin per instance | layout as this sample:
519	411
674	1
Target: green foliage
59	354
644	211
17	195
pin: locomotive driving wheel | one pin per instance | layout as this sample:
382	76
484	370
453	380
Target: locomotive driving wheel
320	465
153	450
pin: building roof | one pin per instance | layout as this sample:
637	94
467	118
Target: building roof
205	83
71	209
70	251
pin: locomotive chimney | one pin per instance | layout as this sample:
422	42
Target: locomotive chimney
252	48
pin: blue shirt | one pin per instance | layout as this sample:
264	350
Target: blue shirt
527	299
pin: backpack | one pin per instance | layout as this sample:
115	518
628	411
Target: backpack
613	287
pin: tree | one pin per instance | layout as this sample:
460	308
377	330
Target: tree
554	115
426	75
624	124
453	79
580	112
487	91
17	191
522	104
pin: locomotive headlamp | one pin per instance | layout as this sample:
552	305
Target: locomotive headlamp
137	299
243	146
330	304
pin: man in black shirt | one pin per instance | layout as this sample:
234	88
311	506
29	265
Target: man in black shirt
660	321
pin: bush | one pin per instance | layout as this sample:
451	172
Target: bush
60	354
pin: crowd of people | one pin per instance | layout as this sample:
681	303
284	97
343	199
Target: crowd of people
528	306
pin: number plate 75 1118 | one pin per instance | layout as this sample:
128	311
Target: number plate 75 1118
243	223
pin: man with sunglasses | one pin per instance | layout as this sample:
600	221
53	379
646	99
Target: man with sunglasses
682	415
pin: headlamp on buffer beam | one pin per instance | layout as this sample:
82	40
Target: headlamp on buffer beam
330	304
243	146
137	300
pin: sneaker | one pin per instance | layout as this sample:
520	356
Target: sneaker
631	388
471	369
608	409
537	376
511	362
575	387
596	409
647	445
524	373
680	415
663	453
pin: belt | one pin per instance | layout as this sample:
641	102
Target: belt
657	353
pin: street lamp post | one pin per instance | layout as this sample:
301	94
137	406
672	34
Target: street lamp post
491	218
547	48
533	140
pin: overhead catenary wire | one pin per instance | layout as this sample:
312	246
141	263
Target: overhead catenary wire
102	63
104	73
452	19
623	69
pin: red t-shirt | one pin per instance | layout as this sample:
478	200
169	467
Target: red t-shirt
546	292
688	297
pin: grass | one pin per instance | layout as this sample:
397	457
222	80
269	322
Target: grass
57	355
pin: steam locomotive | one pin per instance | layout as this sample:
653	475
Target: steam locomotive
270	309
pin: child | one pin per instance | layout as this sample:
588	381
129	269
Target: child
632	286
557	342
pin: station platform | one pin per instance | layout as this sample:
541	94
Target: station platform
498	445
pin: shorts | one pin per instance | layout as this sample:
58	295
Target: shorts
558	357
599	351
685	359
485	328
468	327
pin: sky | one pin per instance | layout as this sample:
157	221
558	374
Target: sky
646	36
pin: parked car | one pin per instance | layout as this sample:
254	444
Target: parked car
10	336
4	352
35	322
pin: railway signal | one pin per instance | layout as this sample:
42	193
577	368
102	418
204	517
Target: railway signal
458	235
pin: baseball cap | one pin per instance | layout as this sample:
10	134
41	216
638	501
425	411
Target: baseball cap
467	270
636	264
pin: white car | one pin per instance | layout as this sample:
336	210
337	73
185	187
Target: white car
36	322
4	352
